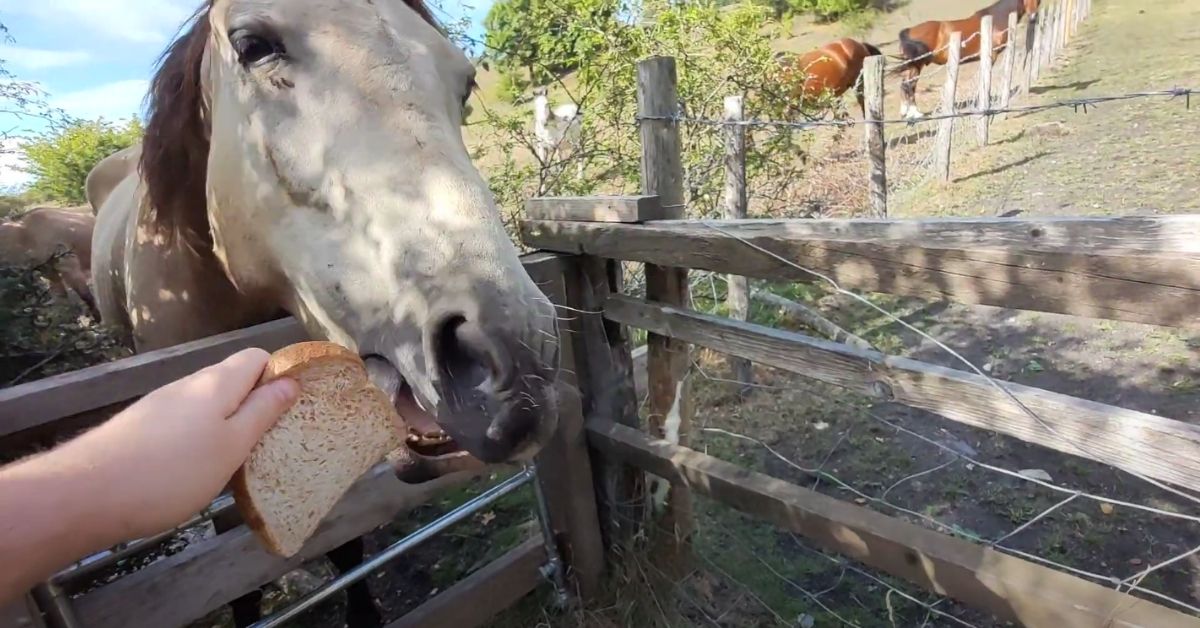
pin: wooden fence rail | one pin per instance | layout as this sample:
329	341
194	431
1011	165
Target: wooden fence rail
1009	587
1140	269
1146	444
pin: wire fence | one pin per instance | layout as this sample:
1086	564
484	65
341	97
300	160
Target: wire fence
1050	505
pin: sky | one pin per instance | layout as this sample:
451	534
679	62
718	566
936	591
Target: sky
94	58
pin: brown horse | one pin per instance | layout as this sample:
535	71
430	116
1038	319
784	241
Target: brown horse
36	236
306	157
826	72
928	42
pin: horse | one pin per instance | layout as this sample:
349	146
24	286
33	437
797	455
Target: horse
827	71
928	42
59	240
306	158
105	175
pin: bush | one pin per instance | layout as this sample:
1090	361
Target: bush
42	335
61	159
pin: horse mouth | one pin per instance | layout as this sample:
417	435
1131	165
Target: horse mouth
422	434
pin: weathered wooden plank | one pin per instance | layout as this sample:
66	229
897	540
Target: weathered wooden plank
596	208
565	470
1144	270
1154	446
980	576
668	409
42	402
183	587
46	400
479	597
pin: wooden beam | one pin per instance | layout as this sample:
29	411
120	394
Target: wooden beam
980	576
46	401
183	587
1140	269
1161	448
53	398
669	408
565	469
482	595
596	208
607	377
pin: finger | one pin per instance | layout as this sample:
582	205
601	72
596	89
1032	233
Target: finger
227	382
261	409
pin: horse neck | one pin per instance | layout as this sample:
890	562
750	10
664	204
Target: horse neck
187	263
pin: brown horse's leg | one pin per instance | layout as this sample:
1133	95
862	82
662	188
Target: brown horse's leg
908	91
361	611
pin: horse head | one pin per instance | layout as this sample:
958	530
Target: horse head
315	147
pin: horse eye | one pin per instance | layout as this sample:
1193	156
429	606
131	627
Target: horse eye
252	49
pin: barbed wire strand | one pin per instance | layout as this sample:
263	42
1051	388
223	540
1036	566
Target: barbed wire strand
1131	582
1076	104
955	354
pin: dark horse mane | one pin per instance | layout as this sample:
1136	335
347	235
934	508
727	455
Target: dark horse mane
176	142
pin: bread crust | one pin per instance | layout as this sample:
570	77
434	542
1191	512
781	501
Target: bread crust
291	361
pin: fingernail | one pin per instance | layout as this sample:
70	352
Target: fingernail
285	389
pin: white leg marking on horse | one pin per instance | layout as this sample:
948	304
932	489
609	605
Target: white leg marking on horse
660	487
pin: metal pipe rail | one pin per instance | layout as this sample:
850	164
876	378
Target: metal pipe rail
406	544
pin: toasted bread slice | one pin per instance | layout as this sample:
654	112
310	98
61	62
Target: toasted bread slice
339	428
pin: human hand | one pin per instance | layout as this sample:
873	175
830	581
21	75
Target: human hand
164	458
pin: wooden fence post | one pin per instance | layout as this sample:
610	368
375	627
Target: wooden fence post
564	465
1056	34
876	144
1010	62
983	101
1045	32
737	295
945	133
1036	35
669	404
1029	58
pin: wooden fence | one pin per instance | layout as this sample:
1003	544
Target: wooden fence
1140	269
207	574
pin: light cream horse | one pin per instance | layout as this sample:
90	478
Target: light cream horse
36	236
106	174
306	157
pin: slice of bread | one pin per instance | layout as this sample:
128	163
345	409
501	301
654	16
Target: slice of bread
339	428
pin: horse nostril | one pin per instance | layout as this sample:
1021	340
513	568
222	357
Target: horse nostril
463	354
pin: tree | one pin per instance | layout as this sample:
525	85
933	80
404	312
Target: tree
546	38
61	159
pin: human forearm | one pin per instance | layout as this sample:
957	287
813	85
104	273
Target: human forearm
147	469
53	513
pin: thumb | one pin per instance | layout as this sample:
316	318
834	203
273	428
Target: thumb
261	409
